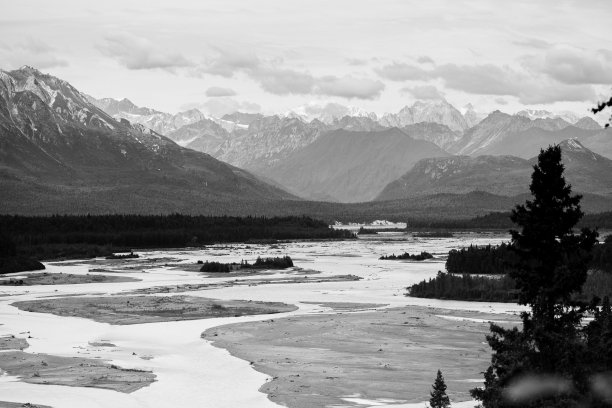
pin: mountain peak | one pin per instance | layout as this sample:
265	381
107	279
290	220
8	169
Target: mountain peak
30	69
437	111
431	102
533	114
587	123
496	115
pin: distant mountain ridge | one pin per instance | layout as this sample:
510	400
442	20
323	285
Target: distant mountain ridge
474	132
349	166
500	133
569	117
587	171
160	122
270	145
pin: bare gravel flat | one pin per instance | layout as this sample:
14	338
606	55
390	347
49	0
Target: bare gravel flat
149	309
46	278
72	371
316	360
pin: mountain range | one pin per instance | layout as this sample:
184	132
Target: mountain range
467	133
64	151
350	166
585	170
60	152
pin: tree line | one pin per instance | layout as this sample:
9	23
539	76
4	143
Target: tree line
484	260
71	236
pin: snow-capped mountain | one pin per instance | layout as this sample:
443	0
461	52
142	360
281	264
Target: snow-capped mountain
241	118
328	113
65	103
160	122
251	140
268	140
205	135
472	117
60	153
116	107
569	117
439	111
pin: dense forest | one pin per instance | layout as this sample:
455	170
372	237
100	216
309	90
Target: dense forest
498	220
439	210
479	260
465	267
499	259
87	236
466	287
498	288
11	261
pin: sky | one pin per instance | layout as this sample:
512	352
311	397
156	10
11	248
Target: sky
272	56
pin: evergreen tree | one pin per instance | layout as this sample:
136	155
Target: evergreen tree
439	399
550	265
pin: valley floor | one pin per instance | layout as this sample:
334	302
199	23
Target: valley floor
353	343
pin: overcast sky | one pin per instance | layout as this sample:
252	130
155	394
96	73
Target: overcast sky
274	55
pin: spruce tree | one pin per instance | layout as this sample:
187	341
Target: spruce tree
549	266
439	399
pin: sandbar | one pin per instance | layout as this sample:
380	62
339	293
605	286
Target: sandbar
46	278
317	360
149	309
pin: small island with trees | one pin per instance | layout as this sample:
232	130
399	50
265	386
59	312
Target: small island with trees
260	263
407	256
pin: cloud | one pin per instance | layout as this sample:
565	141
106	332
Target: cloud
282	81
349	87
216	91
279	80
219	106
402	72
33	52
331	108
357	61
424	59
138	53
533	43
479	79
547	92
501	101
535	86
529	88
228	62
573	65
424	92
